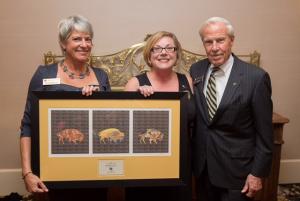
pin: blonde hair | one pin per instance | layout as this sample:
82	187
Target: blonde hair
152	40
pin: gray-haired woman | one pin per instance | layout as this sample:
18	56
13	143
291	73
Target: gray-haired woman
71	74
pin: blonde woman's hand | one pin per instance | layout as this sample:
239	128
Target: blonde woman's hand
89	89
34	184
146	90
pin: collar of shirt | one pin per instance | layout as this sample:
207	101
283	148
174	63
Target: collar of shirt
225	68
221	76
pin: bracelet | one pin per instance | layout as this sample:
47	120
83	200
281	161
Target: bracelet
26	174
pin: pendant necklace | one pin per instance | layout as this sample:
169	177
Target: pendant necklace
72	75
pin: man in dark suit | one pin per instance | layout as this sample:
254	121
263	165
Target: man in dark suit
233	135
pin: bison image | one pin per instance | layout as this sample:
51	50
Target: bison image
153	135
111	135
71	135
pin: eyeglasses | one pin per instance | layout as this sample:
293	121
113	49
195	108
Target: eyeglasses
160	49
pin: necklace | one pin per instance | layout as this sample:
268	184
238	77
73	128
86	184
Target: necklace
73	75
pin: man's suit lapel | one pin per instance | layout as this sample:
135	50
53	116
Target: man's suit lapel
233	84
198	82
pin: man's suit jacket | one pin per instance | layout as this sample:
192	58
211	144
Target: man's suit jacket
239	139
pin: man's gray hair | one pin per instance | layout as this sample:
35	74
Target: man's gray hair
214	20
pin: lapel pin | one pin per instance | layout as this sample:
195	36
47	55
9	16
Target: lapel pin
197	80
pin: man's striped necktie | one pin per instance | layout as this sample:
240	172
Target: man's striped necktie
211	94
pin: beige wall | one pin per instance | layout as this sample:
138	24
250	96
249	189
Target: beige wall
28	30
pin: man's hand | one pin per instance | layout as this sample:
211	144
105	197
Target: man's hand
252	185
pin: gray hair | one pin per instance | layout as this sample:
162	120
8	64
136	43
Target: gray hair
73	23
214	20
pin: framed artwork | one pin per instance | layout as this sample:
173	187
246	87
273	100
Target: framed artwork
110	139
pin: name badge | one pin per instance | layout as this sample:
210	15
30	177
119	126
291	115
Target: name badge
51	81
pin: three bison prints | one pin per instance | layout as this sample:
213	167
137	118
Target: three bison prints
109	135
109	131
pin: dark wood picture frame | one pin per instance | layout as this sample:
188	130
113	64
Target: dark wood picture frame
38	148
